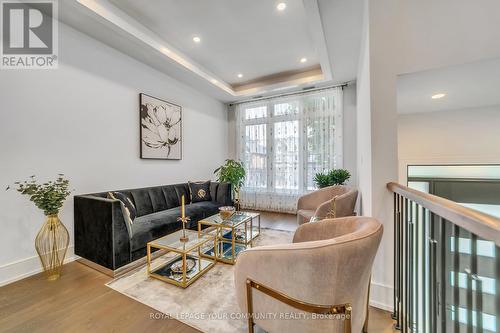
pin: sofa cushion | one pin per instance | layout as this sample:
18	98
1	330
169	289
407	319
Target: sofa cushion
149	227
142	201
224	194
213	190
171	197
127	206
199	210
200	191
157	199
182	190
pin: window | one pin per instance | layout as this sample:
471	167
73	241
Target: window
284	142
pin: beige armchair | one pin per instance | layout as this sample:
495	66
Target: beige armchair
328	202
326	269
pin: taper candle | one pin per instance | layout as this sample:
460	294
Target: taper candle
183	211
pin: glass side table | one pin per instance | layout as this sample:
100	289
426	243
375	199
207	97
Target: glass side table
233	234
181	263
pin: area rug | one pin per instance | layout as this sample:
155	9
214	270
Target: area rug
209	304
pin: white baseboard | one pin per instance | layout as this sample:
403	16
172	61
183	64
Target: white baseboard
23	268
381	296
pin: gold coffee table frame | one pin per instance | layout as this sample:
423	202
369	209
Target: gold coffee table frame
183	251
219	228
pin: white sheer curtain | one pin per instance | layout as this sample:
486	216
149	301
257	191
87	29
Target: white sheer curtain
283	142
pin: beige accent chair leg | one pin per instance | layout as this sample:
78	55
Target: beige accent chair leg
365	326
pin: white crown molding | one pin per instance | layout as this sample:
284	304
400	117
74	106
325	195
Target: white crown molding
317	34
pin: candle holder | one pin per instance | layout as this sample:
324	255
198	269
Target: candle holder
184	220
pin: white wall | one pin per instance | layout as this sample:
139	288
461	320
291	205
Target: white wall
454	136
82	120
349	142
403	37
377	134
363	124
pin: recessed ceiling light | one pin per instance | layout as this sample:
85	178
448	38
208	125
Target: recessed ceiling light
303	60
438	96
240	75
196	39
281	6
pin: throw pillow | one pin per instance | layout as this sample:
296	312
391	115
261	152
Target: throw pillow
128	208
200	191
333	212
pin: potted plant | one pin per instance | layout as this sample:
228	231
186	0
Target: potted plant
234	173
52	240
332	177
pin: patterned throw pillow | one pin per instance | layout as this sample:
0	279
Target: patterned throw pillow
332	213
200	191
128	208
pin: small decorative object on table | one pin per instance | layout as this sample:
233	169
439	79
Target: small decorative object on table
177	266
52	240
184	220
226	212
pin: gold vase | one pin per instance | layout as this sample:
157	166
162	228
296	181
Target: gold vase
51	243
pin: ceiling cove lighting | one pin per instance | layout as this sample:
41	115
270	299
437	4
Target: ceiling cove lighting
240	75
281	6
165	50
303	60
196	39
438	96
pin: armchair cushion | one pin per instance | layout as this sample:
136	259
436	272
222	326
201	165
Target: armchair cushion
305	215
322	203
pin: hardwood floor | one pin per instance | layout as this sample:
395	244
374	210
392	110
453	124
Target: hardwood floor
80	302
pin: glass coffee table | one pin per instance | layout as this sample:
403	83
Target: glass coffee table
181	263
233	234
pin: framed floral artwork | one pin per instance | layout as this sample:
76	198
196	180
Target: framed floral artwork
161	129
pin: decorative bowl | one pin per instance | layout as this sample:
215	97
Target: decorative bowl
177	266
226	212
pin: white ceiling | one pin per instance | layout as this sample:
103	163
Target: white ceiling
342	25
440	33
237	36
466	86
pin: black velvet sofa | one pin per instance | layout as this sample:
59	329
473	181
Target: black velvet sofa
102	236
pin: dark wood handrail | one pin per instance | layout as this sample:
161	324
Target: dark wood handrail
483	225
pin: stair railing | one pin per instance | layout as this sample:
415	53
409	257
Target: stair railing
446	265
